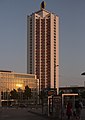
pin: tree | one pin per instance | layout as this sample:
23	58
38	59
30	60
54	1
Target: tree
61	92
14	94
20	94
83	94
27	92
75	90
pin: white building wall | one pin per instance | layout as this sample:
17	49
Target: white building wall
52	50
45	55
33	44
40	53
57	53
28	44
43	13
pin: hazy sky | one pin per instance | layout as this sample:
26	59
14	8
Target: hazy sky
13	36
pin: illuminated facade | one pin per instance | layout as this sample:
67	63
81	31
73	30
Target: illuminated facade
10	80
43	47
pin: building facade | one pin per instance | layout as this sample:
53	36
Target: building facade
43	47
10	80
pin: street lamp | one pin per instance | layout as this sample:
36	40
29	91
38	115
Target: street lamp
83	74
56	81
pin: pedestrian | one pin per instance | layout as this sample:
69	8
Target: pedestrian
69	110
78	106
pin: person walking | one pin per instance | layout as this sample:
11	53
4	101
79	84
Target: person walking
78	107
69	110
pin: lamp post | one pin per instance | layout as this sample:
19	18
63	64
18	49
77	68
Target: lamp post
56	81
84	75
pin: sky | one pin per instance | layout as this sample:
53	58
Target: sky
13	36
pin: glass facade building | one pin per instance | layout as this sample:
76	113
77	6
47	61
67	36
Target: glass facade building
10	80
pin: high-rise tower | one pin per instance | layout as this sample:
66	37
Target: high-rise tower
43	47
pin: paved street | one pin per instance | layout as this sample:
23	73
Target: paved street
83	114
23	114
19	114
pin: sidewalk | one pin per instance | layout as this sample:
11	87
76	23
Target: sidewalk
38	111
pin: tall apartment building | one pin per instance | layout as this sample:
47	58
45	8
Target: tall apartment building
43	47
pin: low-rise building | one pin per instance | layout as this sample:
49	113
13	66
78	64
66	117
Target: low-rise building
10	80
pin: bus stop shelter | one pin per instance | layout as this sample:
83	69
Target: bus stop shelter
68	95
